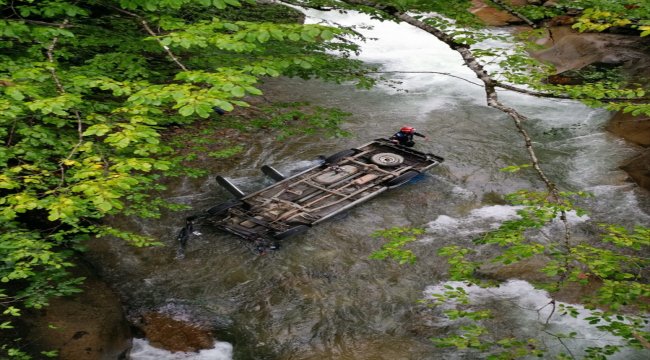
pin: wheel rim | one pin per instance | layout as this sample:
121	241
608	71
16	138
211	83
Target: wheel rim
387	159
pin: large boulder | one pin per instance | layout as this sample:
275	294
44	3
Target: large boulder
632	128
90	325
492	16
639	169
568	50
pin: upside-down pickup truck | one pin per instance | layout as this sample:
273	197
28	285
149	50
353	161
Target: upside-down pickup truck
292	205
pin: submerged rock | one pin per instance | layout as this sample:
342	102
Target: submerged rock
527	269
174	335
180	327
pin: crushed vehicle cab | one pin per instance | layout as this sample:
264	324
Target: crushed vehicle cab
292	205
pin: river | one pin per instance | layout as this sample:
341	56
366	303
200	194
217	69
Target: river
320	296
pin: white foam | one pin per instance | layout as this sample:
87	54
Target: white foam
444	222
496	212
619	203
485	219
459	191
411	50
519	291
477	221
527	310
142	350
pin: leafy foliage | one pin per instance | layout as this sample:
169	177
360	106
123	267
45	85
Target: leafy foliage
506	348
394	249
598	15
600	87
617	306
537	13
89	89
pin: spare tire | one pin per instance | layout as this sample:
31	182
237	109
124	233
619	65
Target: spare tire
387	159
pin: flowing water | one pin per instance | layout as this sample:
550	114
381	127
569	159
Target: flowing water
320	296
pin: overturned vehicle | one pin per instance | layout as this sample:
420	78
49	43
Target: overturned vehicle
292	205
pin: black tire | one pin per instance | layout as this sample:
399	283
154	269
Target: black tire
230	187
223	207
333	159
387	159
273	173
402	179
292	231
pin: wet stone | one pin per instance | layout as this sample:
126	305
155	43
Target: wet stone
174	335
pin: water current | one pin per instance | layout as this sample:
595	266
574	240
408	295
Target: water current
320	296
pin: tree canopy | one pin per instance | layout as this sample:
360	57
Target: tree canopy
89	87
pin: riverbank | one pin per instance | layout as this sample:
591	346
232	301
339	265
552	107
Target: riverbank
569	51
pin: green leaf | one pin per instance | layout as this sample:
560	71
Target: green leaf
263	36
326	35
104	206
14	93
237	91
186	110
10	310
219	4
203	110
50	354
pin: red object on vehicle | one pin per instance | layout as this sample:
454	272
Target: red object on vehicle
407	130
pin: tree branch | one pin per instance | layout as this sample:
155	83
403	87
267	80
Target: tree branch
514	13
61	91
50	58
506	86
169	52
152	33
490	92
44	23
642	340
563	344
492	101
11	133
552	303
531	92
423	72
